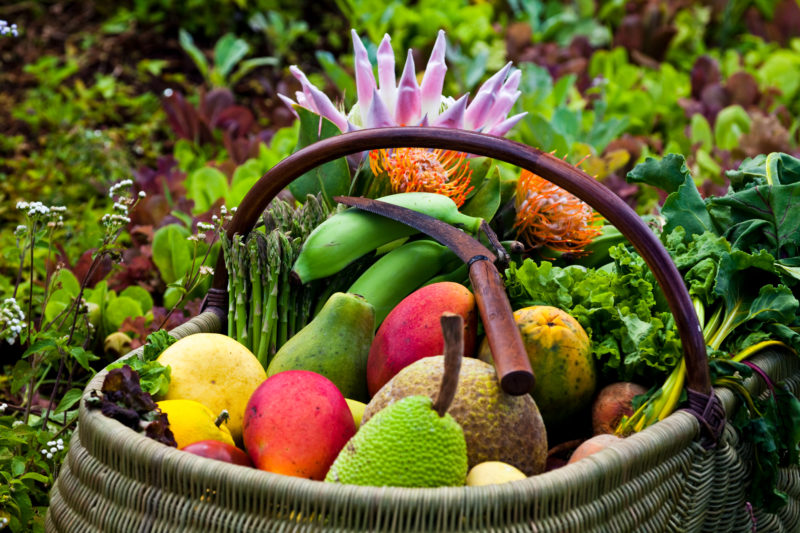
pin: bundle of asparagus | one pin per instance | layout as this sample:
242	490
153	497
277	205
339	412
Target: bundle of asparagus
266	308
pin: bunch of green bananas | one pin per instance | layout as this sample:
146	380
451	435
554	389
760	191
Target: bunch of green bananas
351	234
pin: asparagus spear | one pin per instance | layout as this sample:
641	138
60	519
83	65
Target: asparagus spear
256	308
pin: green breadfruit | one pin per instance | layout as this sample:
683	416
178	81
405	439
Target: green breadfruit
405	445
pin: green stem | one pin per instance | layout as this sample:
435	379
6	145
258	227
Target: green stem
255	298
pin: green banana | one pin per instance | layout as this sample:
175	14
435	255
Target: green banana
398	273
348	235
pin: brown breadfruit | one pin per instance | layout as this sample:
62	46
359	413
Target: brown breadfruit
497	426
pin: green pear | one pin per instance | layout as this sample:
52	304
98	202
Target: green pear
335	344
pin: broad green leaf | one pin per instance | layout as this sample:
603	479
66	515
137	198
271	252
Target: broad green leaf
700	132
248	65
331	179
732	122
238	191
187	43
122	308
83	357
172	253
780	70
17	466
140	295
172	296
486	201
763	217
684	206
56	303
252	168
67	280
41	346
244	177
35	477
205	186
70	398
228	51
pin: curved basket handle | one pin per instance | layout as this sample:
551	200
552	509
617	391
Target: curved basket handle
545	165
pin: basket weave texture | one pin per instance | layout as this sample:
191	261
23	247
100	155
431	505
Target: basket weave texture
660	479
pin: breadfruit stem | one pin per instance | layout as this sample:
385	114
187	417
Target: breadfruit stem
453	333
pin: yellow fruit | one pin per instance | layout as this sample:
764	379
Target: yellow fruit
216	371
357	409
492	473
192	421
560	353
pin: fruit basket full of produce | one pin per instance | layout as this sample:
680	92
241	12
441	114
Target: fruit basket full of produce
350	408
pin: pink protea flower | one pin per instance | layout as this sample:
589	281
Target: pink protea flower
408	103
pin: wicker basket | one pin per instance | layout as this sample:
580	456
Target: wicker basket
686	473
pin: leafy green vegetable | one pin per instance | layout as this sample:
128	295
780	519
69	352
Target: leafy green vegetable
632	332
154	377
684	206
772	425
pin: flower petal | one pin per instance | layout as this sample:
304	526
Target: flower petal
386	75
502	128
305	101
408	107
378	115
301	77
502	105
289	103
505	100
326	109
453	116
433	79
479	109
365	79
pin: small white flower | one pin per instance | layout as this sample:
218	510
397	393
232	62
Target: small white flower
3	407
206	271
168	92
202	226
142	194
201	236
17	423
49	455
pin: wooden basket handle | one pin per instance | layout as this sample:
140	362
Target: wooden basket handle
551	168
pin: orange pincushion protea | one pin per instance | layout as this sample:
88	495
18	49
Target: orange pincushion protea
423	170
549	216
